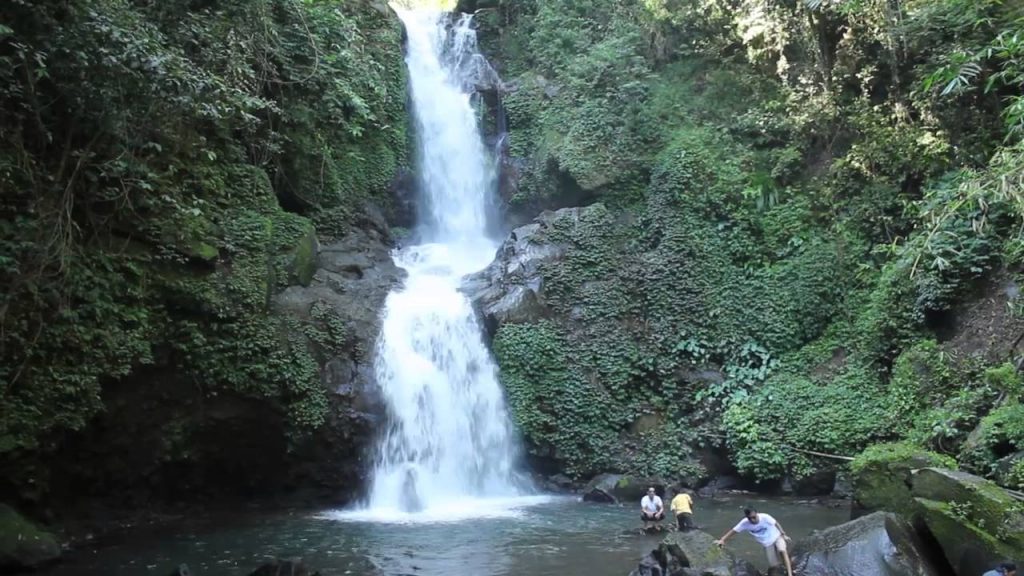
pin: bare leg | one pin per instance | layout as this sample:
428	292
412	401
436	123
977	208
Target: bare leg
789	566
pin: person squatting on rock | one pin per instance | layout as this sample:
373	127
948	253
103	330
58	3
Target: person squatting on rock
651	508
682	507
1004	569
768	533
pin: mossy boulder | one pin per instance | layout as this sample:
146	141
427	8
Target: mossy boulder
968	549
975	501
996	439
623	488
601	489
22	544
303	264
881	477
697	550
295	243
632	488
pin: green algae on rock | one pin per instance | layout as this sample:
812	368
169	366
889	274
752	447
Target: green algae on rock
23	545
882	474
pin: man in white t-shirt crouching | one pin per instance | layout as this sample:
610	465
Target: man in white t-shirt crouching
651	508
768	533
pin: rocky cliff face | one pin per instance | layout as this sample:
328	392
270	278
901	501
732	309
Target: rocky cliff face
353	277
511	288
564	302
164	438
203	331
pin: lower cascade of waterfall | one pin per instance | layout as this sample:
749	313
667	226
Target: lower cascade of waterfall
450	450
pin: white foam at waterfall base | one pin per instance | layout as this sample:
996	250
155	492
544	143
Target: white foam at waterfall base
450	451
468	508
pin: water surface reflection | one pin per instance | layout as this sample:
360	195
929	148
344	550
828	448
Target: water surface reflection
555	536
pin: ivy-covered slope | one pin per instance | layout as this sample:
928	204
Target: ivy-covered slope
800	210
165	169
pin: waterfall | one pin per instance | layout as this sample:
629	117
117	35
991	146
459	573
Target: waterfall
450	440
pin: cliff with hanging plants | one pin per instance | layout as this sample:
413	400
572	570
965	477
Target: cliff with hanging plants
167	169
801	233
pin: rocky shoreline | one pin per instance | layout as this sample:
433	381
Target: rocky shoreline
910	518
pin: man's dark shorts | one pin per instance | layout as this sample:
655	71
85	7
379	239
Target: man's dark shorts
655	518
684	521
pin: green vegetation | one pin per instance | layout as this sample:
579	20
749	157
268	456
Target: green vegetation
790	205
162	166
796	196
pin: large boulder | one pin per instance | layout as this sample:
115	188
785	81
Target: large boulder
601	489
23	545
975	522
819	483
612	488
696	551
511	289
881	477
691	553
633	488
652	564
880	544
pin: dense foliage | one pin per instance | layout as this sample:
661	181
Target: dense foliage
797	199
162	168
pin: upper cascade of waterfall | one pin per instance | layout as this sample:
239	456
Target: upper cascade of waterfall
450	444
456	170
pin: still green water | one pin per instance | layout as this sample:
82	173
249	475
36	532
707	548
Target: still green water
556	536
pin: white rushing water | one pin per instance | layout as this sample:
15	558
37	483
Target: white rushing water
451	450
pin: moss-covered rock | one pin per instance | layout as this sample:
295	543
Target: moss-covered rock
302	257
881	476
968	549
696	550
975	501
630	488
998	436
22	544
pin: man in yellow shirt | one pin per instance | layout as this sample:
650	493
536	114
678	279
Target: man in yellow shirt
682	507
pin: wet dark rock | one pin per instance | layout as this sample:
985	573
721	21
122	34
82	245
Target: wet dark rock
181	570
612	488
650	565
283	568
696	551
820	483
745	568
403	199
559	483
633	488
562	481
598	496
842	488
880	544
23	545
719	484
601	489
